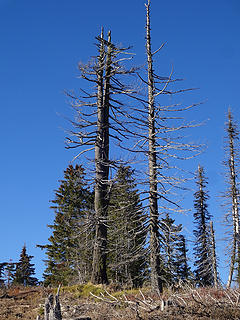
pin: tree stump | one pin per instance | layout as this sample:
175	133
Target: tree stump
52	308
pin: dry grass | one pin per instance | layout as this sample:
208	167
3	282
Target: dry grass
186	303
21	303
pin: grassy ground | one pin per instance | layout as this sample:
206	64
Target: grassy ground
108	304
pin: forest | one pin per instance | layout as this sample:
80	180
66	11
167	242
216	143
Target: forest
114	208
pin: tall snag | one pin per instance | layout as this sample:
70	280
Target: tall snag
99	273
214	256
164	147
232	194
156	281
102	117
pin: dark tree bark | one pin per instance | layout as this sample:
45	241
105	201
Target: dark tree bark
99	267
52	308
102	117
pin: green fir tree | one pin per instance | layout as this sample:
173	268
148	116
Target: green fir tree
25	270
174	251
69	250
202	248
127	232
2	269
183	271
10	270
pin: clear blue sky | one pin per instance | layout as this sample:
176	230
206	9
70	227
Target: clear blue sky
41	44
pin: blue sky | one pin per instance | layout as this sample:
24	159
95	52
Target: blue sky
41	44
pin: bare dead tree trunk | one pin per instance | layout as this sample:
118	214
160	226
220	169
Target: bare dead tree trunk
214	257
102	115
99	266
52	308
232	136
156	281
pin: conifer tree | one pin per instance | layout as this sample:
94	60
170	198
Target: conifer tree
183	271
169	235
25	270
70	246
202	248
10	270
174	252
2	267
127	231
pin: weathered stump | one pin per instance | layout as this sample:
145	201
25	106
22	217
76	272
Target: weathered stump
52	308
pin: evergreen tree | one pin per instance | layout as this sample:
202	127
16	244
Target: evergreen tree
202	248
127	231
183	271
70	246
168	236
174	252
25	270
10	272
2	267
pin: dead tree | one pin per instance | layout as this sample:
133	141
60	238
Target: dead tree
52	309
154	137
232	195
99	273
102	117
214	256
156	281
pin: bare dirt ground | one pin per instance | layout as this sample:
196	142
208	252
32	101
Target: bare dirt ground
191	304
17	303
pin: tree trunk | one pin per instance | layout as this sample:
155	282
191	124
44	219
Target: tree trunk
99	267
234	198
214	257
52	308
156	282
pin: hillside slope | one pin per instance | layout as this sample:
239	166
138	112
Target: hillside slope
28	303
